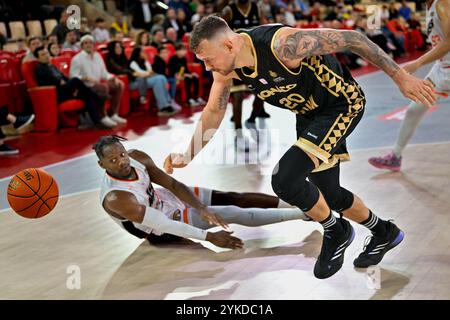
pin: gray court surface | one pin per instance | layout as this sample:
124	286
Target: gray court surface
82	174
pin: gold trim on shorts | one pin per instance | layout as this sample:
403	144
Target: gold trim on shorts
239	88
316	151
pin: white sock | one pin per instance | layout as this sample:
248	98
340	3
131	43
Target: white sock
413	116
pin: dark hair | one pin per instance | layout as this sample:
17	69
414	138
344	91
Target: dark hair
49	46
156	30
105	141
37	50
99	20
121	59
180	46
207	28
32	38
161	48
136	57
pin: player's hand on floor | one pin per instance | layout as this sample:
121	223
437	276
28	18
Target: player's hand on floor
224	239
213	218
418	90
175	160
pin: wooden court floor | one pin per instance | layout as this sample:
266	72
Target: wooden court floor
37	258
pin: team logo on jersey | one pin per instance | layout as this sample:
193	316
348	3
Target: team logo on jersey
275	76
263	81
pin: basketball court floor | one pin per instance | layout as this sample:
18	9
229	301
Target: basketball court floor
39	258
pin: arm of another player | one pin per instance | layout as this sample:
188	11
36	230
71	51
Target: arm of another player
443	47
293	44
125	205
212	116
179	189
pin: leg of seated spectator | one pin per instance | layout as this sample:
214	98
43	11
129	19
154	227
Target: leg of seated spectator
101	90
173	87
116	91
4	114
188	84
195	83
87	96
159	85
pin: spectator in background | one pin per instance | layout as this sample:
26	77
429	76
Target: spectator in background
143	78
393	12
20	124
116	61
185	26
120	24
210	9
177	4
48	75
142	39
405	11
100	33
32	43
171	20
53	49
52	38
143	12
178	69
71	41
158	38
384	12
116	35
160	66
171	36
199	14
88	66
289	16
158	22
61	29
84	27
267	9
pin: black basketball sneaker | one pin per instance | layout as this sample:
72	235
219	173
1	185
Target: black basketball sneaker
377	247
331	255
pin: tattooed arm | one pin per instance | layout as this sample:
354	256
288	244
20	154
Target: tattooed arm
292	45
210	120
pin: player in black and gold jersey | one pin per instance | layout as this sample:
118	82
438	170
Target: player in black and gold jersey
293	69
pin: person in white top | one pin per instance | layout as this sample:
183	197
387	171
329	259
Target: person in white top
100	33
438	29
89	66
144	78
127	194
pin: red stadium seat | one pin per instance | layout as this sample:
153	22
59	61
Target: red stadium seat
11	76
49	114
62	63
151	52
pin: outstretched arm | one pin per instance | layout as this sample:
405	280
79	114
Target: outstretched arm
179	189
292	45
212	116
124	204
440	46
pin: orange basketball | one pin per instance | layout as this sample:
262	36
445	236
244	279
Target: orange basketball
32	193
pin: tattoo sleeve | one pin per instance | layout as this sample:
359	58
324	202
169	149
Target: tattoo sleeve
223	99
305	43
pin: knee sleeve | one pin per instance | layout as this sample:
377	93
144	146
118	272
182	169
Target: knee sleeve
340	200
289	179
